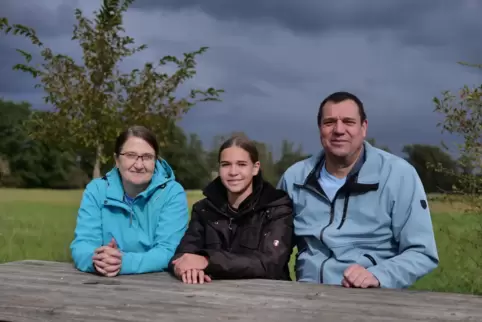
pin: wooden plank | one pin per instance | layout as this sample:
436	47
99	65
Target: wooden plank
50	291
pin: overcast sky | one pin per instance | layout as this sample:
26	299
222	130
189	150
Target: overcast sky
278	59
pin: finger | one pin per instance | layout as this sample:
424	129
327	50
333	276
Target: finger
353	275
101	249
114	243
114	273
195	275
100	263
111	260
207	278
100	270
189	276
345	283
113	252
371	281
112	268
360	279
350	270
184	278
201	277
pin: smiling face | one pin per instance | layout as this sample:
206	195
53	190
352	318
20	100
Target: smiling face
136	161
236	169
341	130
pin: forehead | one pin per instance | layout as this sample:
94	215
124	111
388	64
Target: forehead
344	109
135	144
233	154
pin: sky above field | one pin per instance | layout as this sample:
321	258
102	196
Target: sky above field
278	59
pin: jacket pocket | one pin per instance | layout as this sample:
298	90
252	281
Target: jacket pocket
370	257
212	239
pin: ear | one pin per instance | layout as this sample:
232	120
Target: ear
364	128
116	159
256	167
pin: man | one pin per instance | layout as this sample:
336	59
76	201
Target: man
361	214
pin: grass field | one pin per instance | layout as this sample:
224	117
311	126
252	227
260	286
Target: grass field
39	224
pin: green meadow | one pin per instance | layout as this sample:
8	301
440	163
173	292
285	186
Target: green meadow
39	224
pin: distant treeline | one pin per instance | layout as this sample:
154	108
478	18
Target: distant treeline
27	163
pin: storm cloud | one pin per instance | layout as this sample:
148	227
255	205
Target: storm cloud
277	59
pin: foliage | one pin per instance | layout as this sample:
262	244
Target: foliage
463	117
94	101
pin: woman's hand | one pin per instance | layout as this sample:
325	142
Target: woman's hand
108	259
189	262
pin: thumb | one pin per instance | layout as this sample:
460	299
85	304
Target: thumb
113	243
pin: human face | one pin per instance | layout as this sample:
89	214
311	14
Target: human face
136	161
341	130
236	169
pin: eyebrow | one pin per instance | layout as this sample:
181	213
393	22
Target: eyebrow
343	119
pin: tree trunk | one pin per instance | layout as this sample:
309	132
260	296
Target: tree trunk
97	164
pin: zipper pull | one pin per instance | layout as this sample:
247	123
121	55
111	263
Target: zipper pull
230	224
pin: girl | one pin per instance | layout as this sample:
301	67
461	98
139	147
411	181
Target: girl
242	228
131	220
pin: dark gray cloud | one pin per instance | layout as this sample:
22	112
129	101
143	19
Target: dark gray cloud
277	59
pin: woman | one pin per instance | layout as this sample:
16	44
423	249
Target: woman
242	229
131	220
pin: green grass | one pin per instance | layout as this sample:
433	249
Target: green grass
39	224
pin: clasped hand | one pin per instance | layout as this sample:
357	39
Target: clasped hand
190	269
108	259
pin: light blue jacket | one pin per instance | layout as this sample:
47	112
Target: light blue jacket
380	219
147	235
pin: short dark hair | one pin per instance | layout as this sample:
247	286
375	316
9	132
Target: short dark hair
137	131
339	97
242	142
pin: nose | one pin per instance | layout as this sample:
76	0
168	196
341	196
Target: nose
339	127
232	170
138	164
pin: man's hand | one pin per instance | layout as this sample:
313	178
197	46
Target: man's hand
108	259
358	276
195	276
189	262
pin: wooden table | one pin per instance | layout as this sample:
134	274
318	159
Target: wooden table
51	291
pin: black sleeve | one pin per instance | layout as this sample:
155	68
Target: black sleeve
192	241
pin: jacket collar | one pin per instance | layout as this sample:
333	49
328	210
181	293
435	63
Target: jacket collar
366	168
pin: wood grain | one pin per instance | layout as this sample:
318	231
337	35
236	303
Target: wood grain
51	291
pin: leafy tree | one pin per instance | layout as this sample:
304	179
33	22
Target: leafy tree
421	156
29	163
463	117
95	100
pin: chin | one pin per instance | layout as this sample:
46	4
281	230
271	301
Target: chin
139	181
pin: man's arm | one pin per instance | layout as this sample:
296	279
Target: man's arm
412	229
170	229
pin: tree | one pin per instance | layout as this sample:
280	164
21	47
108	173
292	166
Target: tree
421	156
463	117
32	163
95	100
